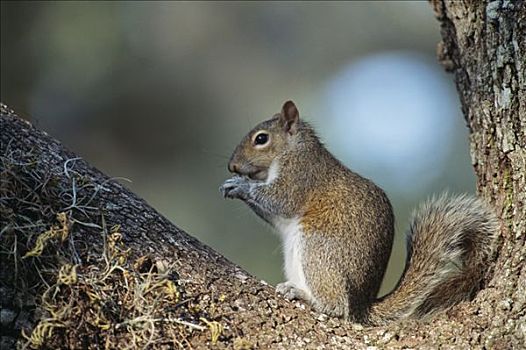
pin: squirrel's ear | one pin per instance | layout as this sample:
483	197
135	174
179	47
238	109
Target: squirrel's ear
289	117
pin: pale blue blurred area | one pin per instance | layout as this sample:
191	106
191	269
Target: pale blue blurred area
392	116
162	92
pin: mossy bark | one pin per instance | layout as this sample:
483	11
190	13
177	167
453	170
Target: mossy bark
483	45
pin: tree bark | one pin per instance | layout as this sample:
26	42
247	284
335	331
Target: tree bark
112	272
484	45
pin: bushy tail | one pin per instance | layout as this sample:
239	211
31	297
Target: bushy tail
449	242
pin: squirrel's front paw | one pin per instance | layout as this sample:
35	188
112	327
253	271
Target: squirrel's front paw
290	291
235	187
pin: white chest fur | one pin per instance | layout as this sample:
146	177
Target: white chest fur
292	240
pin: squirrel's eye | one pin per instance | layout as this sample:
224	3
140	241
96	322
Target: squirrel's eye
261	139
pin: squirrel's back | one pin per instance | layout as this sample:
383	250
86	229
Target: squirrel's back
347	216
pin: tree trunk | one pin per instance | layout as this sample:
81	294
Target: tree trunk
87	264
484	45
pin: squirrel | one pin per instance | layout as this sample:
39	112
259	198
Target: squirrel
337	229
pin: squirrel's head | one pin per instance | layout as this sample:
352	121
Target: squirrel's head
256	151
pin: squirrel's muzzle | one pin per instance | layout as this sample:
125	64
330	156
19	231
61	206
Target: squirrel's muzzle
252	172
233	167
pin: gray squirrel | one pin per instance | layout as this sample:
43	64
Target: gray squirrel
337	229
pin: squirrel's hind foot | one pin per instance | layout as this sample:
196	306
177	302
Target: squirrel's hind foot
291	292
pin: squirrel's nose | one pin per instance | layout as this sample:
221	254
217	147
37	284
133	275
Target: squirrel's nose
233	167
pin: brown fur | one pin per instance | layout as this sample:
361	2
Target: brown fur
348	226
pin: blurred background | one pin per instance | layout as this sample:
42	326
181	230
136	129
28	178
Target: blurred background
161	93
